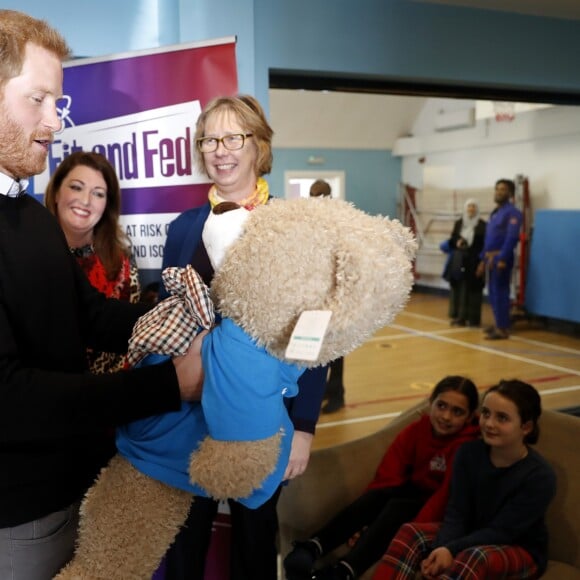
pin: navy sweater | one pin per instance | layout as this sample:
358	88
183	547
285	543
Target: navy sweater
498	505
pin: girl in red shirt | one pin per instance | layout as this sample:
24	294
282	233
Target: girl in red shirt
410	484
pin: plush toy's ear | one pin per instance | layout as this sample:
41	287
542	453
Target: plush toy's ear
371	282
344	280
303	254
402	236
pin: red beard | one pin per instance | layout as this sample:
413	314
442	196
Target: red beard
21	156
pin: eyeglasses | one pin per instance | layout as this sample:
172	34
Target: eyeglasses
230	142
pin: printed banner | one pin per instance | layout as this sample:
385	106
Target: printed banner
139	110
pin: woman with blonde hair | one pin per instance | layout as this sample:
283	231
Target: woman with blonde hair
234	149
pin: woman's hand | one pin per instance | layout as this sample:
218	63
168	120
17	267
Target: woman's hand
299	454
189	370
437	561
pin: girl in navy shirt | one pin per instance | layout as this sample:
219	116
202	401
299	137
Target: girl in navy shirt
494	523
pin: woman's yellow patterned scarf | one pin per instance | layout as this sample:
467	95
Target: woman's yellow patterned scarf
258	197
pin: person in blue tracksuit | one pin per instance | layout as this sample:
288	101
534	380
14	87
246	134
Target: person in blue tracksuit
497	256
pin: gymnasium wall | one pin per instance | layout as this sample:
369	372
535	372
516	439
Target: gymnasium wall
396	40
554	276
416	41
107	26
371	177
404	40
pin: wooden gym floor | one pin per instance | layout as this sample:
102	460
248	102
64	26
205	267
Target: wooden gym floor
402	362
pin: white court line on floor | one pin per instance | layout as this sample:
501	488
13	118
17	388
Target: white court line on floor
412	333
494	351
558	390
358	420
543	393
388	337
515	337
518	338
424	317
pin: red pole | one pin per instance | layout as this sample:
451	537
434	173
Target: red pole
524	240
410	200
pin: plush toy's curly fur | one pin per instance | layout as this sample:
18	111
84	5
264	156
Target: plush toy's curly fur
319	254
292	256
127	522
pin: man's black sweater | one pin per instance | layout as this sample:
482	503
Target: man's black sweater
53	413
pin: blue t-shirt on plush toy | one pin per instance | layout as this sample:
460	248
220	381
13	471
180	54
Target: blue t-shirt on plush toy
242	400
243	389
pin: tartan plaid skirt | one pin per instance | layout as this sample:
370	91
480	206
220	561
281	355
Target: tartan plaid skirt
412	544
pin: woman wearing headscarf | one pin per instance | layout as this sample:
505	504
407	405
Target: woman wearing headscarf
465	245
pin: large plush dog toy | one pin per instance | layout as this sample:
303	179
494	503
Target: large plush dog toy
291	257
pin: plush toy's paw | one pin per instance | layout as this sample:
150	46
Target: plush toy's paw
233	469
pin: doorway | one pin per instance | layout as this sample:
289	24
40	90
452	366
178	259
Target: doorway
297	183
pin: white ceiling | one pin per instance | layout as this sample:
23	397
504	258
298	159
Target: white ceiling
568	9
332	120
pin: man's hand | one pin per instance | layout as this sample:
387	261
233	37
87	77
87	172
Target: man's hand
299	454
437	561
190	371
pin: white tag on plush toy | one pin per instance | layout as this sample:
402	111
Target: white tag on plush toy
308	334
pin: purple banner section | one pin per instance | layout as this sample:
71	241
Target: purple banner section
122	86
174	199
140	110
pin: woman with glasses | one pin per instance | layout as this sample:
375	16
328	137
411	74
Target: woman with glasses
234	149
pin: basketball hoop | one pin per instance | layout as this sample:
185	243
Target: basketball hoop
505	111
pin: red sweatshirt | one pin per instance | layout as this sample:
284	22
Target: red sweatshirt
417	456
